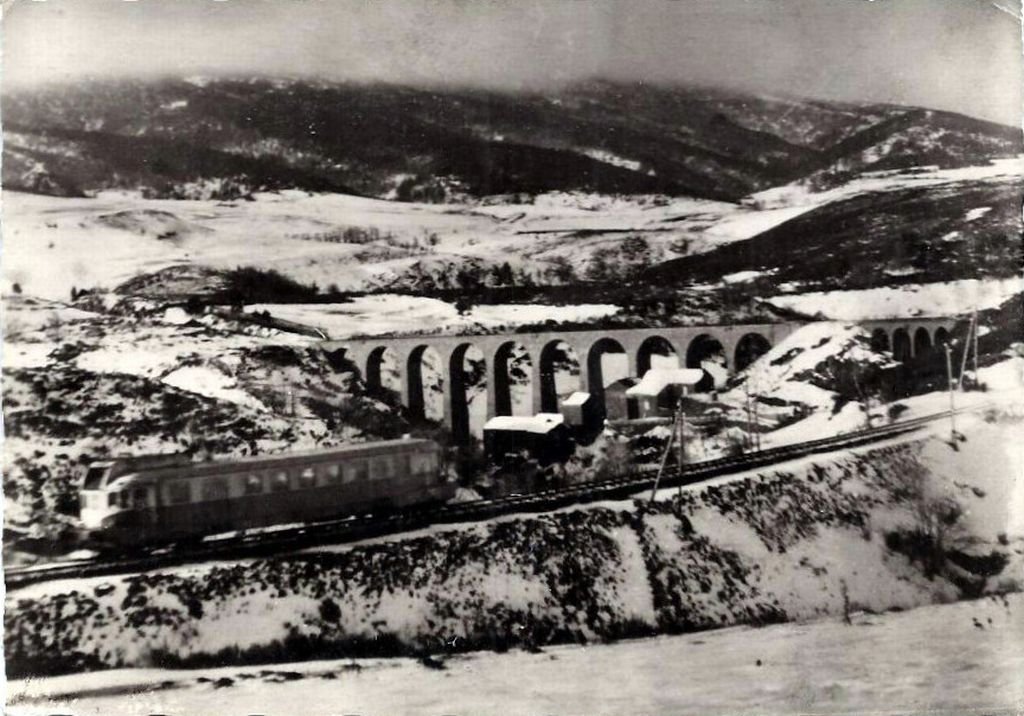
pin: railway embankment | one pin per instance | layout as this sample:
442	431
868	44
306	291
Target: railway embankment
876	529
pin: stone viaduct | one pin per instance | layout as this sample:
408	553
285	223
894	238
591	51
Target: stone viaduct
740	344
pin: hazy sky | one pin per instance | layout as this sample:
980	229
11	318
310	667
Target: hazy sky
962	55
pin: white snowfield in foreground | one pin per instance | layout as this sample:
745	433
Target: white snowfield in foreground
931	299
938	659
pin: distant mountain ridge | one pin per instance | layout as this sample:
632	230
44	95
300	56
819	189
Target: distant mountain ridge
223	138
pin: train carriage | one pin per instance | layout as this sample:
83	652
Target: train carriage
146	499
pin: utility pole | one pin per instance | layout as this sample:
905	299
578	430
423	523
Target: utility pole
756	426
977	379
664	461
967	346
754	423
681	457
951	384
750	421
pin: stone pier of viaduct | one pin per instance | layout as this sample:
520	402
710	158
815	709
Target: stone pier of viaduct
740	344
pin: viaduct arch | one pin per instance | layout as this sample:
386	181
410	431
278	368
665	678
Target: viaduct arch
734	346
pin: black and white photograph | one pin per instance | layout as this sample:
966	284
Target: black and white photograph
513	357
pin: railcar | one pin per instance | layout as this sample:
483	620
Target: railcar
146	499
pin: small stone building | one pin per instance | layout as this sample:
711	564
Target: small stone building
617	404
580	410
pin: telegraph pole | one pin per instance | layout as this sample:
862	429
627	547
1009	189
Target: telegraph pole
977	379
756	426
664	460
967	346
950	385
750	420
681	458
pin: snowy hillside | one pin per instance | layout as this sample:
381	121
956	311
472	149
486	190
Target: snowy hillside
966	230
931	299
355	244
871	234
788	544
80	385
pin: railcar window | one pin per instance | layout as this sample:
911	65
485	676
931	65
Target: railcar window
307	478
279	483
140	497
215	489
179	493
405	465
360	471
333	474
112	499
421	467
253	484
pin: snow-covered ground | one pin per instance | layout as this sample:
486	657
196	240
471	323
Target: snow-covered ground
789	371
943	659
796	534
1005	383
782	372
301	235
949	298
153	348
799	194
387	314
51	244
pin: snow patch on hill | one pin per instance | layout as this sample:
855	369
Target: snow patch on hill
387	314
212	383
613	159
783	371
948	298
801	194
357	243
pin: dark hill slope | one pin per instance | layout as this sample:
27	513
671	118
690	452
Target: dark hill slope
816	125
224	137
918	137
376	139
921	234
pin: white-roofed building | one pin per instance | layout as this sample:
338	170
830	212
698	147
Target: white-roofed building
660	389
544	436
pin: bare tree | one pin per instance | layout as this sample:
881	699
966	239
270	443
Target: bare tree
937	516
55	327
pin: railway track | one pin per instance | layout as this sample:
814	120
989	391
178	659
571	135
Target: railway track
270	542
